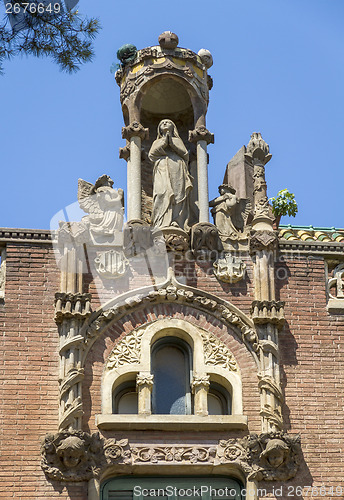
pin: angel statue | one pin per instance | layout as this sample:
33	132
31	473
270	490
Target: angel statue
172	182
104	206
230	215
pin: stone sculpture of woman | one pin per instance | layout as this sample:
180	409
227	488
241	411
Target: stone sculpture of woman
172	182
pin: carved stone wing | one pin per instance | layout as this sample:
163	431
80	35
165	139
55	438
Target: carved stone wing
241	213
87	199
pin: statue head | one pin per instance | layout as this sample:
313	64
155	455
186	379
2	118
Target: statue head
167	125
71	451
226	188
206	58
103	181
275	452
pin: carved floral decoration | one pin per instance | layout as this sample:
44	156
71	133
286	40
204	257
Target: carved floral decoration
78	456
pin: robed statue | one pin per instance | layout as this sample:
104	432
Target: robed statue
172	182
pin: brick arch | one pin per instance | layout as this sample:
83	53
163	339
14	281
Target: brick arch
115	332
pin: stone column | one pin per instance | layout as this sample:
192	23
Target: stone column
202	137
144	385
200	389
135	133
72	307
266	312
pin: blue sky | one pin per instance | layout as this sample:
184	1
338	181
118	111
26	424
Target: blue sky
278	69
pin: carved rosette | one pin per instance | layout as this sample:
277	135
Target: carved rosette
135	129
201	134
78	456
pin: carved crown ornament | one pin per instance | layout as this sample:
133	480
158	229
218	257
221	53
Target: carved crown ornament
79	456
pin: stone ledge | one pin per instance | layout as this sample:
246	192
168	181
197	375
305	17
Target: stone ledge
172	422
26	235
335	306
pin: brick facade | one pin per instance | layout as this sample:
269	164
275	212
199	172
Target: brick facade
311	357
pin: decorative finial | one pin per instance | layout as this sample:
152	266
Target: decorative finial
258	149
206	57
168	40
127	53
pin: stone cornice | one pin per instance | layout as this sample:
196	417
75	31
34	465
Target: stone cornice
311	247
14	235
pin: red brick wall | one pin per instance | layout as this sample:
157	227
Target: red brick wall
312	358
29	374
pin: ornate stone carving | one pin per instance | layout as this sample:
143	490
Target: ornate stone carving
72	234
72	456
171	179
134	129
138	238
168	40
201	134
335	287
126	351
78	456
268	311
105	208
111	264
229	269
206	58
231	216
173	291
72	305
204	240
263	240
176	239
258	154
144	379
200	381
116	451
173	454
217	353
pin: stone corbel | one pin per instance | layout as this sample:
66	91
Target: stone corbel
205	240
72	305
263	240
265	311
200	387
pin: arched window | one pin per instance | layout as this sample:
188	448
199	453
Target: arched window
124	399
171	367
219	400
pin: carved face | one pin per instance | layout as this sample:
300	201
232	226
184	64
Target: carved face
71	451
276	458
166	126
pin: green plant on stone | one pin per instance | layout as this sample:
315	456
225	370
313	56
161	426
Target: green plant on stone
284	204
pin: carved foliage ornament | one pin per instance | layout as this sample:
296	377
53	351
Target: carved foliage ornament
174	293
216	353
78	456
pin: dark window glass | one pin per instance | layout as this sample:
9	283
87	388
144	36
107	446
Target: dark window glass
171	361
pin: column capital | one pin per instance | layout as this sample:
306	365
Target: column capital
200	382
135	129
144	379
201	134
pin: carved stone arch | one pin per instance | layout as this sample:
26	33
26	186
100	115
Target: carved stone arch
131	356
171	291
